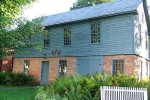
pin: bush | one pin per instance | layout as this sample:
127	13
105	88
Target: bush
79	87
17	79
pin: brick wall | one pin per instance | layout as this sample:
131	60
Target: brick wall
128	60
6	64
131	64
36	63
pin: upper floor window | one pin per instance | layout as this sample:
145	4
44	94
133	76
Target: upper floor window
146	44
27	41
142	17
26	66
46	40
138	38
67	36
95	33
118	66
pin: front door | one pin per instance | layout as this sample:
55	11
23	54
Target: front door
44	72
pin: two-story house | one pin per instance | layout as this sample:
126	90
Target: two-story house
110	37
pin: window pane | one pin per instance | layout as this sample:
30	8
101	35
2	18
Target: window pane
62	67
67	36
118	66
26	66
95	33
47	40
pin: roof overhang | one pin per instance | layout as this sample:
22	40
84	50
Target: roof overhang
135	12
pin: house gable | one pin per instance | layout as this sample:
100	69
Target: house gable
141	32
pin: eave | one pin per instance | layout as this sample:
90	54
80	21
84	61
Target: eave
135	12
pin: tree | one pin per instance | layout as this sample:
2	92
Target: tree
86	3
15	29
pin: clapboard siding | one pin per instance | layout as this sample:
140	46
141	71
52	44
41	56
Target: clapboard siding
142	50
116	37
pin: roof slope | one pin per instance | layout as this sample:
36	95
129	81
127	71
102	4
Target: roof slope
101	10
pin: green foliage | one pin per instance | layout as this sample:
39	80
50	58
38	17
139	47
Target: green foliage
17	79
15	29
44	95
10	9
78	87
86	3
17	93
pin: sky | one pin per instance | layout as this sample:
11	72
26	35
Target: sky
48	7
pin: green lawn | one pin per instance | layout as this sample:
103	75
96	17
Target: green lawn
17	93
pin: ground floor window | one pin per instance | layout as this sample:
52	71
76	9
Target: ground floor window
141	69
26	66
147	68
62	67
118	66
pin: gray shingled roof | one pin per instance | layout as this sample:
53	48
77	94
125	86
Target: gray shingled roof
101	10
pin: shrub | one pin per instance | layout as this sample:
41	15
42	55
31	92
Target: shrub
17	79
79	87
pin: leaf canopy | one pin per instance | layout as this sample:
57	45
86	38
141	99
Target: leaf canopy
86	3
15	29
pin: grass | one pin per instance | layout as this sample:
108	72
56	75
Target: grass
16	93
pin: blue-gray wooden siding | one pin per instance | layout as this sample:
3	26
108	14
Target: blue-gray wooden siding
116	37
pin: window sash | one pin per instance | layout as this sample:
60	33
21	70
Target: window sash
26	66
95	33
118	66
67	36
47	40
62	67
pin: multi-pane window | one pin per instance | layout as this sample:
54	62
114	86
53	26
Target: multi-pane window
141	69
26	66
118	66
95	33
138	38
67	36
62	67
146	44
142	17
147	68
46	40
27	41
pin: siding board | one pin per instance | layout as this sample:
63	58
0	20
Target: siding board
116	37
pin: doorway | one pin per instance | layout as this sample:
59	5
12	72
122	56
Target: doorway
44	72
